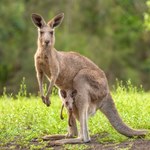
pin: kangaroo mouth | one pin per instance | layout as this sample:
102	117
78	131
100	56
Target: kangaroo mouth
46	45
70	110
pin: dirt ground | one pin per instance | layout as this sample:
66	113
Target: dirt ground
136	144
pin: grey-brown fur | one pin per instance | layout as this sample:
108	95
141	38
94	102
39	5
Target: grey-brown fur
68	70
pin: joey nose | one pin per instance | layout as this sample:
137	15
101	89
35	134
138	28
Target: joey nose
70	109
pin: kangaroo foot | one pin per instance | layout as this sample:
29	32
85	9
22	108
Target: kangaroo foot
53	137
65	141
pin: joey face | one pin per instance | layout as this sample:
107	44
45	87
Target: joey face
46	37
68	98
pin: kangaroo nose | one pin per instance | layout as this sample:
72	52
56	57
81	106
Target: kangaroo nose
46	42
70	109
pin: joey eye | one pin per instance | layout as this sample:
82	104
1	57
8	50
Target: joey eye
67	103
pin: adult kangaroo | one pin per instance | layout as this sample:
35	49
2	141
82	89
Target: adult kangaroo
67	70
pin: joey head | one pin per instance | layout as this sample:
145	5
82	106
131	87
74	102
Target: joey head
68	100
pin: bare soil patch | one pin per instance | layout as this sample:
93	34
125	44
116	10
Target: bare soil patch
136	144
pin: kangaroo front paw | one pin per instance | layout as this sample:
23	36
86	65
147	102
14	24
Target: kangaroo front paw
43	99
46	101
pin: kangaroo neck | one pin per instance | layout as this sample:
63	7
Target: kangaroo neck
49	50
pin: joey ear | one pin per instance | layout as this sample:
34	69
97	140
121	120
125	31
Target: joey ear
74	93
63	93
38	20
56	21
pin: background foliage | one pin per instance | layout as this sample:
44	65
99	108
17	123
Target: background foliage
112	33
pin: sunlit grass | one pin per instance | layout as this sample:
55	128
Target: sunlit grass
25	118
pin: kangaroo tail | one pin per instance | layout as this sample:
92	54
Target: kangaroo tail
108	108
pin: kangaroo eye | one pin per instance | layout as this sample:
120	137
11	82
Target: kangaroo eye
41	32
67	103
51	32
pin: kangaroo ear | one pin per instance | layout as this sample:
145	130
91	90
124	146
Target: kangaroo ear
74	93
56	21
63	93
38	20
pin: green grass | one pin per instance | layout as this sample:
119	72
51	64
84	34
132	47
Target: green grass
23	119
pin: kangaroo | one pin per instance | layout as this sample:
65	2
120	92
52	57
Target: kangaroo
68	100
70	70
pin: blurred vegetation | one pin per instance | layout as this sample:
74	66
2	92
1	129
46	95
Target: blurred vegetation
113	33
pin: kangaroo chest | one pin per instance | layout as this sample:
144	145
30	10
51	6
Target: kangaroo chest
42	63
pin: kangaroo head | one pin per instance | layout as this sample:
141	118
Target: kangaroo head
68	98
46	37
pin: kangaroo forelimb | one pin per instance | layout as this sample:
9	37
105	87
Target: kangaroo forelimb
70	118
61	112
